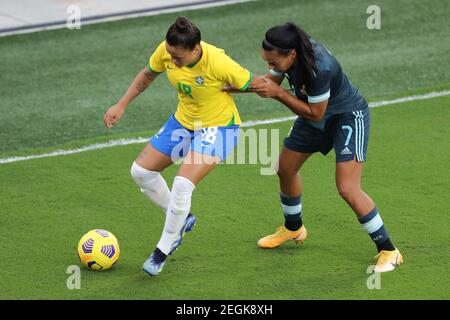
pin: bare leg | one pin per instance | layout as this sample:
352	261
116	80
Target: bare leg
290	163
348	183
152	159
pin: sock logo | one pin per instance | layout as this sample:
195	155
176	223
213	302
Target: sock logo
377	238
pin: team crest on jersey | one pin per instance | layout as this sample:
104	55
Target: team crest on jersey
199	80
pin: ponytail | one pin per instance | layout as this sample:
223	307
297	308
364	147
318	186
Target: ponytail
289	36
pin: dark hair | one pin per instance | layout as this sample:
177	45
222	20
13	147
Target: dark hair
183	33
289	36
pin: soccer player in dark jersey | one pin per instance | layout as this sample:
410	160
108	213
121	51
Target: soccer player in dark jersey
332	115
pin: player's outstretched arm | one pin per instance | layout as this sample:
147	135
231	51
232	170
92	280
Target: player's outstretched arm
255	82
310	111
141	82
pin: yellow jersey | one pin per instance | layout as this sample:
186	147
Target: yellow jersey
201	100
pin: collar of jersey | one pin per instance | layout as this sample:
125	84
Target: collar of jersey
201	58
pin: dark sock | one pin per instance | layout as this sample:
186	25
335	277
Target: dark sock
292	209
374	226
386	245
159	256
293	225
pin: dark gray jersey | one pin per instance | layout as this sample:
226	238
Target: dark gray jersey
330	83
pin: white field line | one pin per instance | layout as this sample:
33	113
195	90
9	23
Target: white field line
123	142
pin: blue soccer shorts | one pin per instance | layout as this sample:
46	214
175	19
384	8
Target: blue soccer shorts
175	141
347	133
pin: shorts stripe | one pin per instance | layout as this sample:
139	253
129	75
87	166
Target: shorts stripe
362	137
359	135
356	135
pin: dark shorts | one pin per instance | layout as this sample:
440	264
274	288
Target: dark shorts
347	133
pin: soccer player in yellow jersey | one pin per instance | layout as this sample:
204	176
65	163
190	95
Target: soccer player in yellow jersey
202	131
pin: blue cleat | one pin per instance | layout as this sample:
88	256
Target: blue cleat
189	223
155	263
152	267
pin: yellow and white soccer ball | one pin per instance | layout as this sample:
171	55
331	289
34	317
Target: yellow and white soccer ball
98	250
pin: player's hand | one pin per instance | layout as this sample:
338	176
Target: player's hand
113	115
267	88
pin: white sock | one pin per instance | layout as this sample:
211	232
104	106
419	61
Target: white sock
179	206
152	184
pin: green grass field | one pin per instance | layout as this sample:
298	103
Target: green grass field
57	84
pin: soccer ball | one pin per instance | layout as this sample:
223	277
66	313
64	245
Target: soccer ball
98	250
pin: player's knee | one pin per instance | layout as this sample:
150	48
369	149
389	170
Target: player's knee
142	176
347	190
181	195
285	171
